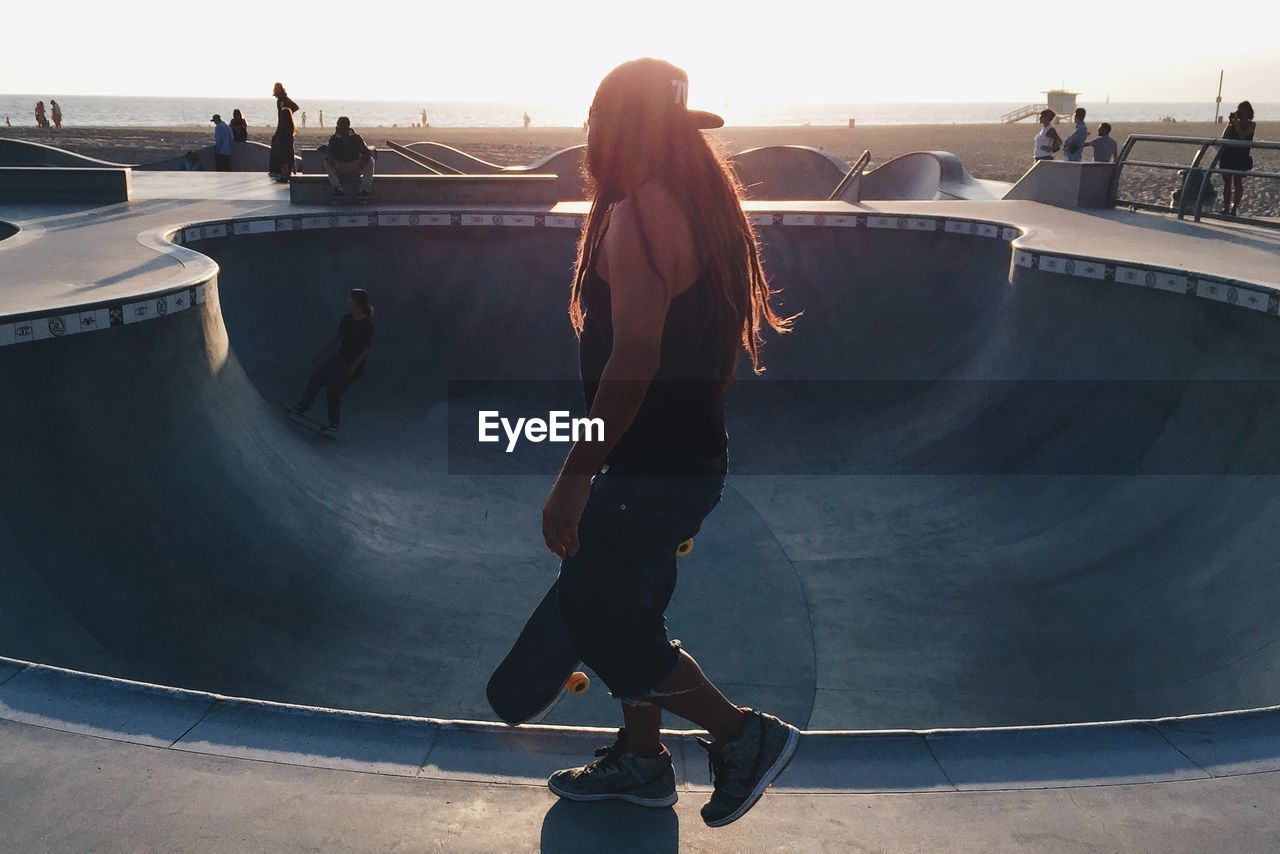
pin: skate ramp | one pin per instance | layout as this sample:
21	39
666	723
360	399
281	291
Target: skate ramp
957	500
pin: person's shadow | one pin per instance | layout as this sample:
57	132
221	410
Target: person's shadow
609	826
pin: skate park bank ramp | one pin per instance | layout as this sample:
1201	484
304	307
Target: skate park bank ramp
969	490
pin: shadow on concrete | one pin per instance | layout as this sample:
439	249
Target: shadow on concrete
609	825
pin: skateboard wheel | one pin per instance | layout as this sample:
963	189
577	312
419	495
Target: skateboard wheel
578	683
684	548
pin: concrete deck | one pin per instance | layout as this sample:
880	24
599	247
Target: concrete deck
160	760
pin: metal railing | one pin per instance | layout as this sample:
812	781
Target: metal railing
852	175
1023	112
1190	194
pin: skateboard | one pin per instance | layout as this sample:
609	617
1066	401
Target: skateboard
306	422
542	663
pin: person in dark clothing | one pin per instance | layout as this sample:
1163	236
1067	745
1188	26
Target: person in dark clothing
281	161
668	288
1240	125
239	127
282	145
354	340
348	157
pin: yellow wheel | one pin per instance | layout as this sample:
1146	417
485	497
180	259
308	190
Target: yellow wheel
684	548
578	683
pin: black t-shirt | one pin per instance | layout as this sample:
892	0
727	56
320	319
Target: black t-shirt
357	336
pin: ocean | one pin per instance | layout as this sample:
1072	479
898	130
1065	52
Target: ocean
125	111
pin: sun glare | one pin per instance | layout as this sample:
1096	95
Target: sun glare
818	52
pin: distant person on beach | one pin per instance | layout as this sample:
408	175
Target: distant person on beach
1047	140
239	127
303	116
322	118
424	119
527	120
1073	145
1104	147
667	289
190	163
41	121
275	167
55	111
223	144
348	157
7	123
1240	125
354	340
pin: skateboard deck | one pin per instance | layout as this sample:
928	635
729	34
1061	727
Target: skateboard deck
542	663
306	422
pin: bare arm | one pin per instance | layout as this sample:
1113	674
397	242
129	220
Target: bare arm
329	345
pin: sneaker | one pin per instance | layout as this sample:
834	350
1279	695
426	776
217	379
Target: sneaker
298	409
364	194
743	768
332	429
619	774
338	192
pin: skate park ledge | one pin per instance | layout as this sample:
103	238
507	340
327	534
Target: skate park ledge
832	761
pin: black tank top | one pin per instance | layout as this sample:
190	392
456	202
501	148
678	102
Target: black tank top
681	419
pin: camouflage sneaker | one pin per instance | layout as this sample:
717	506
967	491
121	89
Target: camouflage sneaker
743	768
619	774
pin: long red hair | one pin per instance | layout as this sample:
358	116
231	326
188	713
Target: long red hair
639	138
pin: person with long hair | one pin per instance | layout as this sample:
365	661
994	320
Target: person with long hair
282	144
667	289
239	127
280	163
1240	125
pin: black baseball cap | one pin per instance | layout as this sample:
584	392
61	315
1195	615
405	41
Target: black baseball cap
217	117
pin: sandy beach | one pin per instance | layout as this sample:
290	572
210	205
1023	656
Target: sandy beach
1001	152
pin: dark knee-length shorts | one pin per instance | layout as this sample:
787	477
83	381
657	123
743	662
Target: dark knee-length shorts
614	592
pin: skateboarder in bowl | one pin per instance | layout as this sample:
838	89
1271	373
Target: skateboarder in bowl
354	340
668	286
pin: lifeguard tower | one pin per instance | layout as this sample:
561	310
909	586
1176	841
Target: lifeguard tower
1060	101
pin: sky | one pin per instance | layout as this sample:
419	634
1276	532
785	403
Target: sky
784	51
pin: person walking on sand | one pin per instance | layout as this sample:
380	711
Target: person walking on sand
348	157
668	285
354	340
276	167
1073	145
527	121
1047	140
322	118
424	119
55	112
223	144
239	127
1104	147
303	116
41	121
1240	125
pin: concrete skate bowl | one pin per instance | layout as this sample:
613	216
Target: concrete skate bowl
938	517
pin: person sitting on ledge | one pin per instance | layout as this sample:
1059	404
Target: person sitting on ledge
349	157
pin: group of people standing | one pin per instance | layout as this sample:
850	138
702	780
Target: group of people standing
1049	142
55	113
1235	159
